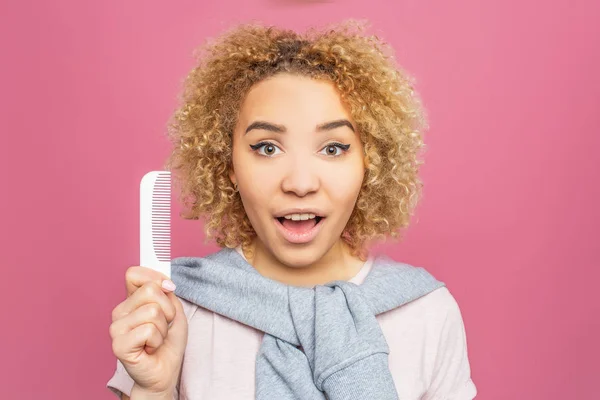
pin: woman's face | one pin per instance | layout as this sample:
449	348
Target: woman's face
295	151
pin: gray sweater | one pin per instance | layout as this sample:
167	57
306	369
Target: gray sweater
321	342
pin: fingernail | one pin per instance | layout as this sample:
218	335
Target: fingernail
168	285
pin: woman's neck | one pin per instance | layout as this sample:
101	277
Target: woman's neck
336	264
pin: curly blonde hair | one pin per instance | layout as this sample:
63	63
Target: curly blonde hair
380	97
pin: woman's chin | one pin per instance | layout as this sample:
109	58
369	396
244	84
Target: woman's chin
298	256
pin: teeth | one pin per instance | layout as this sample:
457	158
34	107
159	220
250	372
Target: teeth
298	217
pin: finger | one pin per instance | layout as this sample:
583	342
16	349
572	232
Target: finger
148	313
131	346
148	293
179	313
137	276
178	328
154	340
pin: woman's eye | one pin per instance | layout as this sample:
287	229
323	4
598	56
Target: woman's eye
268	149
335	149
265	148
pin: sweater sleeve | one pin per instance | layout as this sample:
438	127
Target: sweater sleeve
451	375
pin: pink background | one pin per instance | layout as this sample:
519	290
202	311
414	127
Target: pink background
509	219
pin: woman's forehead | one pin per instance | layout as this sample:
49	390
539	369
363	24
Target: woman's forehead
293	99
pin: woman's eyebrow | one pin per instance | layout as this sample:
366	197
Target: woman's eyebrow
267	126
334	124
327	126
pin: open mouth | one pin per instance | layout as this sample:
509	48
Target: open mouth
283	219
299	231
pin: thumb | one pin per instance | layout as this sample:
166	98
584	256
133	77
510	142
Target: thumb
178	326
138	276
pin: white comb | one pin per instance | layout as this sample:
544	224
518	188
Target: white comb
155	221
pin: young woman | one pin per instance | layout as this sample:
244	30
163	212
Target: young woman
300	151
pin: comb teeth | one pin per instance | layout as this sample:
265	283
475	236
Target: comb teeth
155	221
161	217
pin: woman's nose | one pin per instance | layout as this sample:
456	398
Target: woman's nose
300	177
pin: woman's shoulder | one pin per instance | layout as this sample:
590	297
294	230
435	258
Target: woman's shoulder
441	305
435	312
440	300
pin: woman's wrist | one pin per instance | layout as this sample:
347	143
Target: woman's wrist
138	393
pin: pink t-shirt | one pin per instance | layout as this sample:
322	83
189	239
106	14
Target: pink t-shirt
428	352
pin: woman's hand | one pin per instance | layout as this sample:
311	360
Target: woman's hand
149	332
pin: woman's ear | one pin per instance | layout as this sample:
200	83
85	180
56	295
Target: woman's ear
232	175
